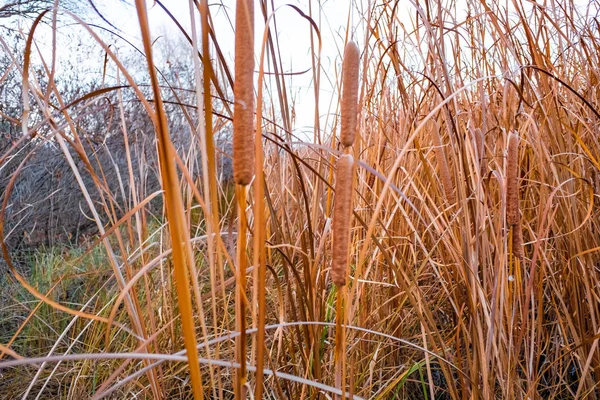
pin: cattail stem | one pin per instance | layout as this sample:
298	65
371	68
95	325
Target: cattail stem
349	94
240	297
243	111
340	340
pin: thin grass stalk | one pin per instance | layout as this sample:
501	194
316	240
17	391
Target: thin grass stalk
25	88
340	341
260	229
240	294
317	184
175	212
316	69
208	213
210	146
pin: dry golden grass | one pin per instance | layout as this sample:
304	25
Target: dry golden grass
471	195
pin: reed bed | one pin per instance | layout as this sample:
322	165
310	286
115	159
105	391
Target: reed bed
436	238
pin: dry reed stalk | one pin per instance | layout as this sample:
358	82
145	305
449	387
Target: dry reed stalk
512	184
349	94
240	296
243	114
440	156
340	341
341	219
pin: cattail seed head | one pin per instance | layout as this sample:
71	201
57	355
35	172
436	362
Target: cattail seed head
442	162
243	109
512	184
342	212
479	143
349	94
517	244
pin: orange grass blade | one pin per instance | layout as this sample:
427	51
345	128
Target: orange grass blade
175	212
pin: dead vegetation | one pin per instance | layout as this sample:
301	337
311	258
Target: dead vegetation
472	244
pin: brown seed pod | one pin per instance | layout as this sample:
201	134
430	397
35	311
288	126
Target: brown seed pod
479	143
512	184
349	94
243	109
442	162
342	212
517	241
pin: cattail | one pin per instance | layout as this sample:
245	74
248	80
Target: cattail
243	111
479	143
517	238
349	94
341	218
440	156
512	185
480	148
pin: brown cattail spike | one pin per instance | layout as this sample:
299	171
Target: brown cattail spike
243	111
349	94
479	143
341	218
512	184
518	241
443	167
